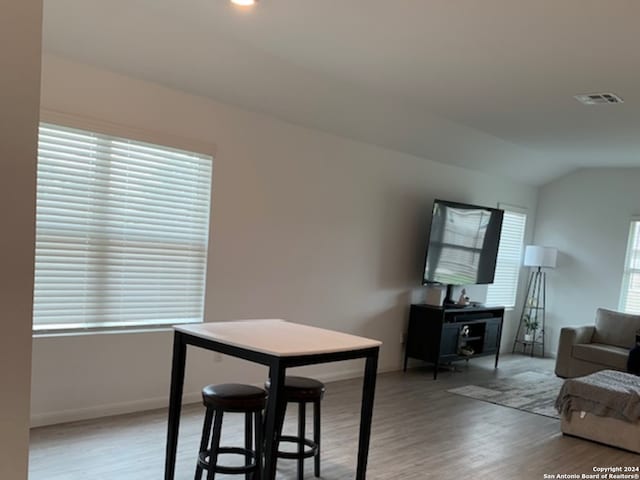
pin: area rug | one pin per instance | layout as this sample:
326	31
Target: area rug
533	392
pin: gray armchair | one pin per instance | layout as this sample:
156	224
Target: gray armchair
603	346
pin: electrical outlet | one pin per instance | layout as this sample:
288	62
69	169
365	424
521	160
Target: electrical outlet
217	357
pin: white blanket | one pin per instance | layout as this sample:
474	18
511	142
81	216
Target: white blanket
607	393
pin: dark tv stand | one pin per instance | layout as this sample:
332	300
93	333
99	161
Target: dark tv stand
437	334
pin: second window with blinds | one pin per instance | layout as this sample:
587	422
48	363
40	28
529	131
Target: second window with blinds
121	232
630	292
504	289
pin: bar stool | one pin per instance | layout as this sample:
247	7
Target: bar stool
302	390
231	397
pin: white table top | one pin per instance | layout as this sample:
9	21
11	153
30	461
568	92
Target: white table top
278	337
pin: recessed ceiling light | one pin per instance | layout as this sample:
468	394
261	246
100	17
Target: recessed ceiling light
244	3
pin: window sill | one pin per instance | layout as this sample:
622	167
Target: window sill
101	331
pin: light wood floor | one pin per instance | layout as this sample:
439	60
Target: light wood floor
420	432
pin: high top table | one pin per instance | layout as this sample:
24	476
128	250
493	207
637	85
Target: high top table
279	345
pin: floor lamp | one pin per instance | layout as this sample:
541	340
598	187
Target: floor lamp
533	310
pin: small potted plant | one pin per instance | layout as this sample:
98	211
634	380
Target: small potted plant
531	326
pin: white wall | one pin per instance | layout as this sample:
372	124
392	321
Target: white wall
586	216
20	37
305	226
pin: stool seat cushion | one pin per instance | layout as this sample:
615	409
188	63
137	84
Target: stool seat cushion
234	397
301	389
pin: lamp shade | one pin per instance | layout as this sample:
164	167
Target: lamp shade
536	256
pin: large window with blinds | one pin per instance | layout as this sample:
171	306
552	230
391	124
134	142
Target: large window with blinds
630	292
505	285
121	232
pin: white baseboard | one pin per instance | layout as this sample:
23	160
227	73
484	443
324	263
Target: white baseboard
108	410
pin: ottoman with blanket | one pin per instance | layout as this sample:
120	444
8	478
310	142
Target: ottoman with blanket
603	407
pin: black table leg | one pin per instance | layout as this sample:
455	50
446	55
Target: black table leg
275	407
366	413
175	403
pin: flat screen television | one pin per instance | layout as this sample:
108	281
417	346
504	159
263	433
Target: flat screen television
463	245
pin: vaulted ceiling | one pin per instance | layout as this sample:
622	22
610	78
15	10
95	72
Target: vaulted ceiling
486	84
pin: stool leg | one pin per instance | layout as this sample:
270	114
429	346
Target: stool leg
302	420
215	445
280	425
257	474
316	436
248	438
206	432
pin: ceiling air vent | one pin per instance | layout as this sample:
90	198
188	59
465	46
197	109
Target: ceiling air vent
598	98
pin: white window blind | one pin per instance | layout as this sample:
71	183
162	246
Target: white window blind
121	232
630	292
505	285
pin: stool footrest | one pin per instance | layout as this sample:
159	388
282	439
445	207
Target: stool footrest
202	461
311	452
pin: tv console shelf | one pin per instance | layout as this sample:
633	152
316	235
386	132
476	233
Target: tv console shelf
446	334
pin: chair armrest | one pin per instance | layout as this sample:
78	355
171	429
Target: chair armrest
569	336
